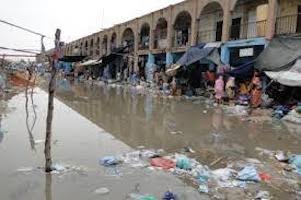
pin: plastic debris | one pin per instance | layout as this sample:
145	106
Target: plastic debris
169	196
102	191
163	163
183	162
265	177
263	195
58	167
201	174
135	196
249	173
280	156
295	162
110	161
203	188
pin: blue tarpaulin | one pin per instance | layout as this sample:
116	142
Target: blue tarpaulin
244	71
194	54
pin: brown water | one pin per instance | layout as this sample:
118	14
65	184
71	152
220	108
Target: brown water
93	121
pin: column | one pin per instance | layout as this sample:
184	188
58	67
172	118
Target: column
169	29
272	17
109	44
136	46
226	22
151	34
194	25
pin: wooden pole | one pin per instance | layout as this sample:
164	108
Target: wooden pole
51	91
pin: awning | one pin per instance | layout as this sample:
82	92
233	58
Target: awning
192	55
281	54
90	63
244	71
291	77
118	52
72	58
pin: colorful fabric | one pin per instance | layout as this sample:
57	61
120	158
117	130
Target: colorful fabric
219	88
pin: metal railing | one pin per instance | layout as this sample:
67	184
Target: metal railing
289	24
248	30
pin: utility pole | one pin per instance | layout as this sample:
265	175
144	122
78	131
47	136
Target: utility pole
51	90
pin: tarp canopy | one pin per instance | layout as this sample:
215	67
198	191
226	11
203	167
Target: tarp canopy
291	77
194	54
72	58
118	52
281	53
90	63
244	71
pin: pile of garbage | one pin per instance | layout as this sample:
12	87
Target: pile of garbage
235	175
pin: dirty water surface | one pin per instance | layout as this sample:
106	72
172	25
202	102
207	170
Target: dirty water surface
94	121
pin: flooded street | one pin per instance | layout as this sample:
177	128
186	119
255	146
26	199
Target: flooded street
94	121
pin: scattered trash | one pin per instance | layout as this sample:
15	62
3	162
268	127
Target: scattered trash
295	162
249	173
263	195
205	111
135	196
189	150
110	161
280	111
280	156
264	177
169	196
176	132
102	191
58	167
203	188
163	163
236	110
183	162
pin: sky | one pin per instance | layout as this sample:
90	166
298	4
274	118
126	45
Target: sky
76	18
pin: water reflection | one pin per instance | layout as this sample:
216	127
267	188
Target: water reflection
148	120
1	131
48	186
30	128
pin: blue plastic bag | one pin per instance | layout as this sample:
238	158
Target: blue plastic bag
249	173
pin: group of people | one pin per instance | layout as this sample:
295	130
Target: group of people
248	92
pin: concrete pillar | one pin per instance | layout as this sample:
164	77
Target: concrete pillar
226	21
169	59
272	17
169	29
136	46
194	25
109	44
151	34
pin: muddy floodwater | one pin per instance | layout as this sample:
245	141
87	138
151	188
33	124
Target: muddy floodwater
94	121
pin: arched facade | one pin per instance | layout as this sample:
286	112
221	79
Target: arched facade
113	41
144	36
104	45
160	34
249	19
128	38
210	23
182	29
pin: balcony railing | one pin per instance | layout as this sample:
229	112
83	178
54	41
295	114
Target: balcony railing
248	30
209	36
289	24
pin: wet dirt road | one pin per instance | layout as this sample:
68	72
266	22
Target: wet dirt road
121	120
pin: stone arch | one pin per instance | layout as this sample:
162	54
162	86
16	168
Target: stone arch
210	22
113	41
104	44
128	38
144	36
160	33
249	19
182	29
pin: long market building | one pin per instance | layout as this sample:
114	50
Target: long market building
244	27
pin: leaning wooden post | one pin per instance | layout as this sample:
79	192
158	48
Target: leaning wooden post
51	90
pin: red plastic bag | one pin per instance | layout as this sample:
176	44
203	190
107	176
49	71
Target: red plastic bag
163	163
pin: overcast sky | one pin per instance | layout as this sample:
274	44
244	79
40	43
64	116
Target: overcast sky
76	18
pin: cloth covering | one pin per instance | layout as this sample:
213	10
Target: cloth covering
281	54
244	71
291	77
